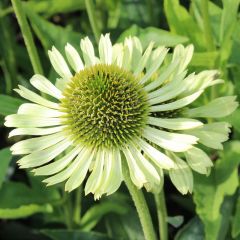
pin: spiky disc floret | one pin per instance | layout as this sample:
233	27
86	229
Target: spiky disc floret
105	106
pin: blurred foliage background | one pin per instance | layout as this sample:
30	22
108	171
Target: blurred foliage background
29	210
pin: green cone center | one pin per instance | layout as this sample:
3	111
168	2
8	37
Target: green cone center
105	105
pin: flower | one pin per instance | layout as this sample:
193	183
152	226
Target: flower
125	106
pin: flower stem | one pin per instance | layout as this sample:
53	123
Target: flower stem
207	27
78	203
27	35
141	205
92	19
162	215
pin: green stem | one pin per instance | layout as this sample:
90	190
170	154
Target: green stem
78	203
27	35
92	18
67	210
162	215
207	27
141	205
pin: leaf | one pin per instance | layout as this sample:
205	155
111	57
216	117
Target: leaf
17	200
236	221
9	105
95	213
205	59
175	221
50	7
192	230
73	235
159	36
50	34
182	23
209	192
5	158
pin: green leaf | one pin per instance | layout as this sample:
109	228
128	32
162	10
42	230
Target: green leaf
175	221
182	23
95	213
192	230
73	235
209	192
236	221
5	158
205	59
50	34
9	105
17	200
50	7
159	36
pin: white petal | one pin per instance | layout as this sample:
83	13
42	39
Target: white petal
95	178
160	159
33	97
163	76
35	131
143	60
181	176
175	142
219	107
161	52
105	49
66	173
59	164
80	172
176	104
88	52
41	157
198	160
127	54
36	144
44	85
73	57
174	123
38	110
29	121
59	63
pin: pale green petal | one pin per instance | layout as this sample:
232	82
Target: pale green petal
44	85
212	135
176	104
219	107
159	158
147	168
73	58
80	172
161	52
59	164
95	179
163	76
37	144
105	49
66	173
127	54
59	63
175	142
181	176
35	131
198	160
38	110
88	52
174	123
61	83
33	97
137	176
143	60
41	157
117	55
137	52
29	121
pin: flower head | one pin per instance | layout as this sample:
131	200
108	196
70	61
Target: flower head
124	106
